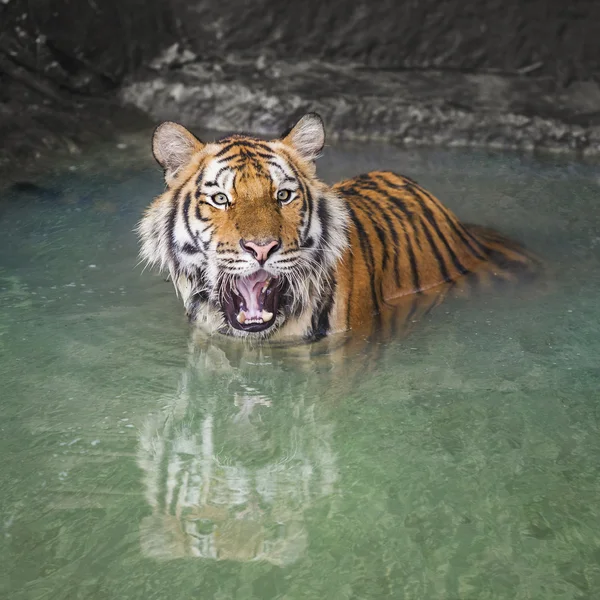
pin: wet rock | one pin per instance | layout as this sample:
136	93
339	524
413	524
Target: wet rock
409	107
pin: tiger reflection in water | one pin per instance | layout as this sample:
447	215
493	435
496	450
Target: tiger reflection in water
232	465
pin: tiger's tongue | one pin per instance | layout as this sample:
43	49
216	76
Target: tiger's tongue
250	288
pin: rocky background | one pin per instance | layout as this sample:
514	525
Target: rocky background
492	73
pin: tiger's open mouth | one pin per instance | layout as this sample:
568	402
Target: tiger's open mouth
251	303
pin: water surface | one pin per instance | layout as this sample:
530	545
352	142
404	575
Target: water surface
139	461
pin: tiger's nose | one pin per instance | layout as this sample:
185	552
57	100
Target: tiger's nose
260	251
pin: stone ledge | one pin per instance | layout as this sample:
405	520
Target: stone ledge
406	107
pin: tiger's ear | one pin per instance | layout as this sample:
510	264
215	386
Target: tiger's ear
173	147
307	137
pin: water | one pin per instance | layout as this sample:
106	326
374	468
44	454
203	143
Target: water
140	461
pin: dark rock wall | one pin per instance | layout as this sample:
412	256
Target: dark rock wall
559	39
90	45
60	62
86	46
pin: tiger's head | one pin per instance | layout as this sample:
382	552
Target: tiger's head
249	235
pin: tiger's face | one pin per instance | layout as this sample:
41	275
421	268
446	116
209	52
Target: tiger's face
249	234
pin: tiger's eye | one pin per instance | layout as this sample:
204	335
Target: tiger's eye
220	198
284	195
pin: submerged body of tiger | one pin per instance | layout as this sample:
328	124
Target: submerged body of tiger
258	247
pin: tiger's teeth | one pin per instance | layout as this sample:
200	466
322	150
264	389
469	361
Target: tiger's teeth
266	315
266	285
241	317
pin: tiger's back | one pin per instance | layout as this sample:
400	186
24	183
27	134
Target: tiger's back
405	242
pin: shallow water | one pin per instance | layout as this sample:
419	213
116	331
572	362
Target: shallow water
139	462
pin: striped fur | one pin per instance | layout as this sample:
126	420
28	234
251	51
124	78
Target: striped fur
348	252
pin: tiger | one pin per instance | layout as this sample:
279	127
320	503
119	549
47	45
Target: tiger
258	247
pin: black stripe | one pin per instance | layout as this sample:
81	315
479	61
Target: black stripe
272	163
225	149
368	256
286	177
350	287
414	270
436	253
302	213
198	298
431	218
266	155
251	143
309	210
381	234
320	320
220	171
396	240
188	249
199	215
171	226
306	210
458	228
241	143
251	157
186	219
324	219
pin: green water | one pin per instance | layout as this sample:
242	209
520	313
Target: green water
138	462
